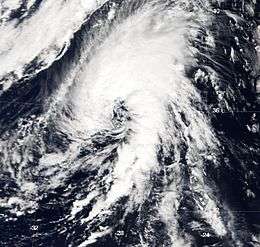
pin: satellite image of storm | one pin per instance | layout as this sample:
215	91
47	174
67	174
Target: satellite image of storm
129	123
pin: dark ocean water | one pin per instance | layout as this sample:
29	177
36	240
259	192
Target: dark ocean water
129	123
